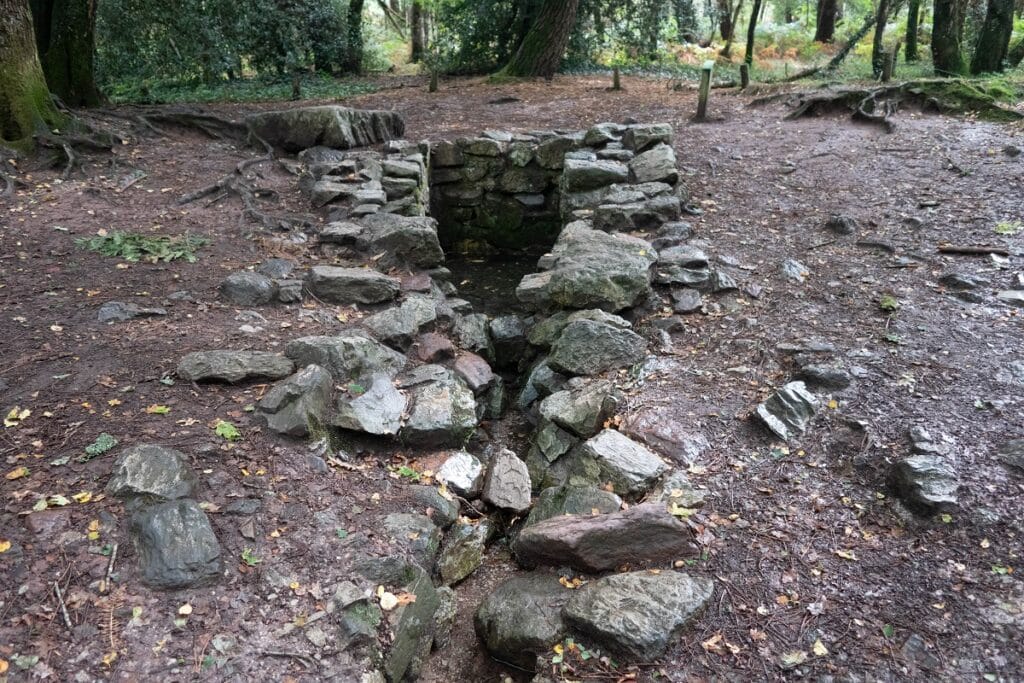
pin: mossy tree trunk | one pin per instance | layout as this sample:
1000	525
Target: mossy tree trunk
877	51
544	44
913	12
1016	54
947	33
725	26
825	30
354	43
748	56
66	40
686	21
25	104
416	27
994	38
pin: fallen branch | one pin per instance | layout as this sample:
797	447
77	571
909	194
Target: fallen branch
968	250
105	584
306	660
839	56
63	607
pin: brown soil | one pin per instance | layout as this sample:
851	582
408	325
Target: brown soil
805	544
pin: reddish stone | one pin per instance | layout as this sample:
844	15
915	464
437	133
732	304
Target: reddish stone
433	347
475	371
416	282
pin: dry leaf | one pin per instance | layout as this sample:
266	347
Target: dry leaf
17	473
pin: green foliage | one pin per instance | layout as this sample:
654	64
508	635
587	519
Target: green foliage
1009	228
227	430
103	443
408	473
250	558
889	303
256	89
132	246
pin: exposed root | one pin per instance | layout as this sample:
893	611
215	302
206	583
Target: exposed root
7	173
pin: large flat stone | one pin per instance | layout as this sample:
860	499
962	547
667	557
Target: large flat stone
329	125
350	358
351	285
233	366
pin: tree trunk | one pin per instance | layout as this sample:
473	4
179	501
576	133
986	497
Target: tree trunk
877	51
66	41
542	48
994	38
913	12
727	50
748	57
25	104
825	30
947	32
725	19
416	29
1016	55
354	46
686	21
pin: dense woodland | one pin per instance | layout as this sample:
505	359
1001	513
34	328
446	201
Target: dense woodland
87	51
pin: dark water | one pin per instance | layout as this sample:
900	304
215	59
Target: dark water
490	283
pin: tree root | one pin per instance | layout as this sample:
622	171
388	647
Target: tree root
876	105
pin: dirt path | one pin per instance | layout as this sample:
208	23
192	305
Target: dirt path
812	556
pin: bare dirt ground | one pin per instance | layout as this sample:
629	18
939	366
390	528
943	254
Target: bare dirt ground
820	573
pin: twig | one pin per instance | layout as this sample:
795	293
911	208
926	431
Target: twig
968	250
306	660
105	586
63	608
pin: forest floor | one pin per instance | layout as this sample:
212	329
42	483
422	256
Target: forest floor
819	571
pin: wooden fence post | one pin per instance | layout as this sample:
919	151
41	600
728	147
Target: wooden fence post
705	90
744	75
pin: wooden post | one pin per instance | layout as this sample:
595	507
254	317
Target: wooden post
889	62
616	84
705	90
744	76
433	81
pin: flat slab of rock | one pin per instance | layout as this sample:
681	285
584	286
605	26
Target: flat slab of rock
397	327
588	347
119	311
590	269
350	358
176	545
508	482
294	130
298	403
789	410
233	366
927	481
556	501
377	411
630	467
403	240
643	534
443	412
522	618
351	285
657	164
637	614
583	410
152	472
659	427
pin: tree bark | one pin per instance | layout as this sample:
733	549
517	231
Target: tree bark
66	42
542	48
725	26
825	30
25	104
686	21
748	56
416	29
877	53
354	45
1016	54
994	38
913	13
947	33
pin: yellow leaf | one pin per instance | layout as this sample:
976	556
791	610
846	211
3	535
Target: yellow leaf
114	402
847	555
4	547
93	535
833	404
3	666
185	610
17	473
559	649
83	497
157	410
406	598
294	585
819	648
16	416
109	658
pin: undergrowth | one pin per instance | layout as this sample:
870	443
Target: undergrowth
132	246
319	86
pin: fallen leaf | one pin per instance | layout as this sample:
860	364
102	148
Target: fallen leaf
819	648
388	601
847	555
4	547
185	610
17	473
791	659
157	410
82	497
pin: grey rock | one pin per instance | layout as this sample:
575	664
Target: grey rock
378	410
642	215
522	618
602	133
520	153
246	288
557	501
659	427
548	330
443	412
413	627
463	551
403	240
351	285
926	481
276	268
550	153
233	366
541	381
643	534
657	164
640	137
151	472
580	174
298	404
962	281
329	125
442	511
416	535
789	410
349	358
119	311
444	618
1011	454
289	291
484	147
686	300
675	489
176	545
590	269
507	485
396	188
793	270
587	347
1013	297
583	410
721	281
508	335
462	473
471	333
612	457
637	614
401	169
475	372
833	377
841	224
672	234
684	265
446	153
1013	373
397	327
922	442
